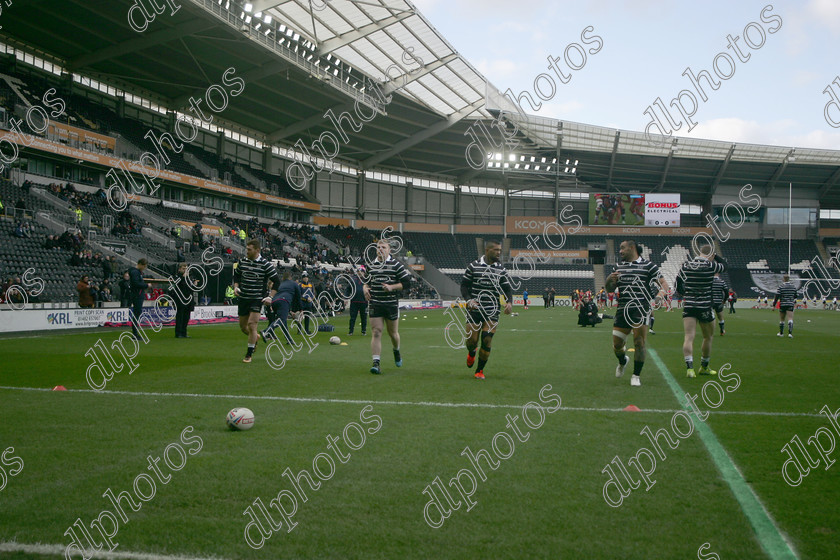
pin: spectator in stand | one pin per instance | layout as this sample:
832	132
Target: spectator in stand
83	287
107	268
105	294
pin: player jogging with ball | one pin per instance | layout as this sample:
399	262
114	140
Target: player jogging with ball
386	277
483	282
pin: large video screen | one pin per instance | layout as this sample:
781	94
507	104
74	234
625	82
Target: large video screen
610	209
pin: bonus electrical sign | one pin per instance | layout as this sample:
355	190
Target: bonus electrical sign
662	210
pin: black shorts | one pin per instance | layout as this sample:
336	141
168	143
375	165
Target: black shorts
479	316
631	318
248	306
786	308
719	308
390	311
704	315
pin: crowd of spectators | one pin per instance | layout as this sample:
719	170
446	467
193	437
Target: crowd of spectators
11	291
68	240
95	293
68	193
127	224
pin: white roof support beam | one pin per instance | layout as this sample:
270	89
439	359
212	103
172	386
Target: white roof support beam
330	45
263	5
778	173
415	139
253	75
141	43
722	169
612	159
302	125
830	183
391	86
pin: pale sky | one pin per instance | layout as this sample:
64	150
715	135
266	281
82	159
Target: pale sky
775	97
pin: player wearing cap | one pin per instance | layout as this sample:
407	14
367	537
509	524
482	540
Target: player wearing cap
386	277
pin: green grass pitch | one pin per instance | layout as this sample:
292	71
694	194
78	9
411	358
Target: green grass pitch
544	501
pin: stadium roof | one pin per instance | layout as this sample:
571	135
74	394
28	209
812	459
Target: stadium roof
299	61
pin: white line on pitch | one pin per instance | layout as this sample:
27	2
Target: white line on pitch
395	403
58	550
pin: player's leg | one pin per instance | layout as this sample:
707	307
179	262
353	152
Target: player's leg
690	328
721	322
376	324
354	310
789	316
781	323
640	345
488	329
392	323
708	330
280	312
136	311
244	313
253	320
619	338
363	311
473	330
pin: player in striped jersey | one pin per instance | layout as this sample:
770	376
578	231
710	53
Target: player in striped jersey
385	277
483	282
252	278
786	295
696	277
638	281
720	293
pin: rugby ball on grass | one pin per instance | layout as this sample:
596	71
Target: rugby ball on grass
240	419
335	340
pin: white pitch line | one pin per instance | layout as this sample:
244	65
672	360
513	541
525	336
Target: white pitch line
400	403
58	549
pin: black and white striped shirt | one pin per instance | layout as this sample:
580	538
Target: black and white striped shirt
485	283
391	271
697	277
719	291
787	294
252	276
638	282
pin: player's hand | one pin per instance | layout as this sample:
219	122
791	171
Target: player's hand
615	276
366	290
508	308
237	291
266	300
388	287
472	304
